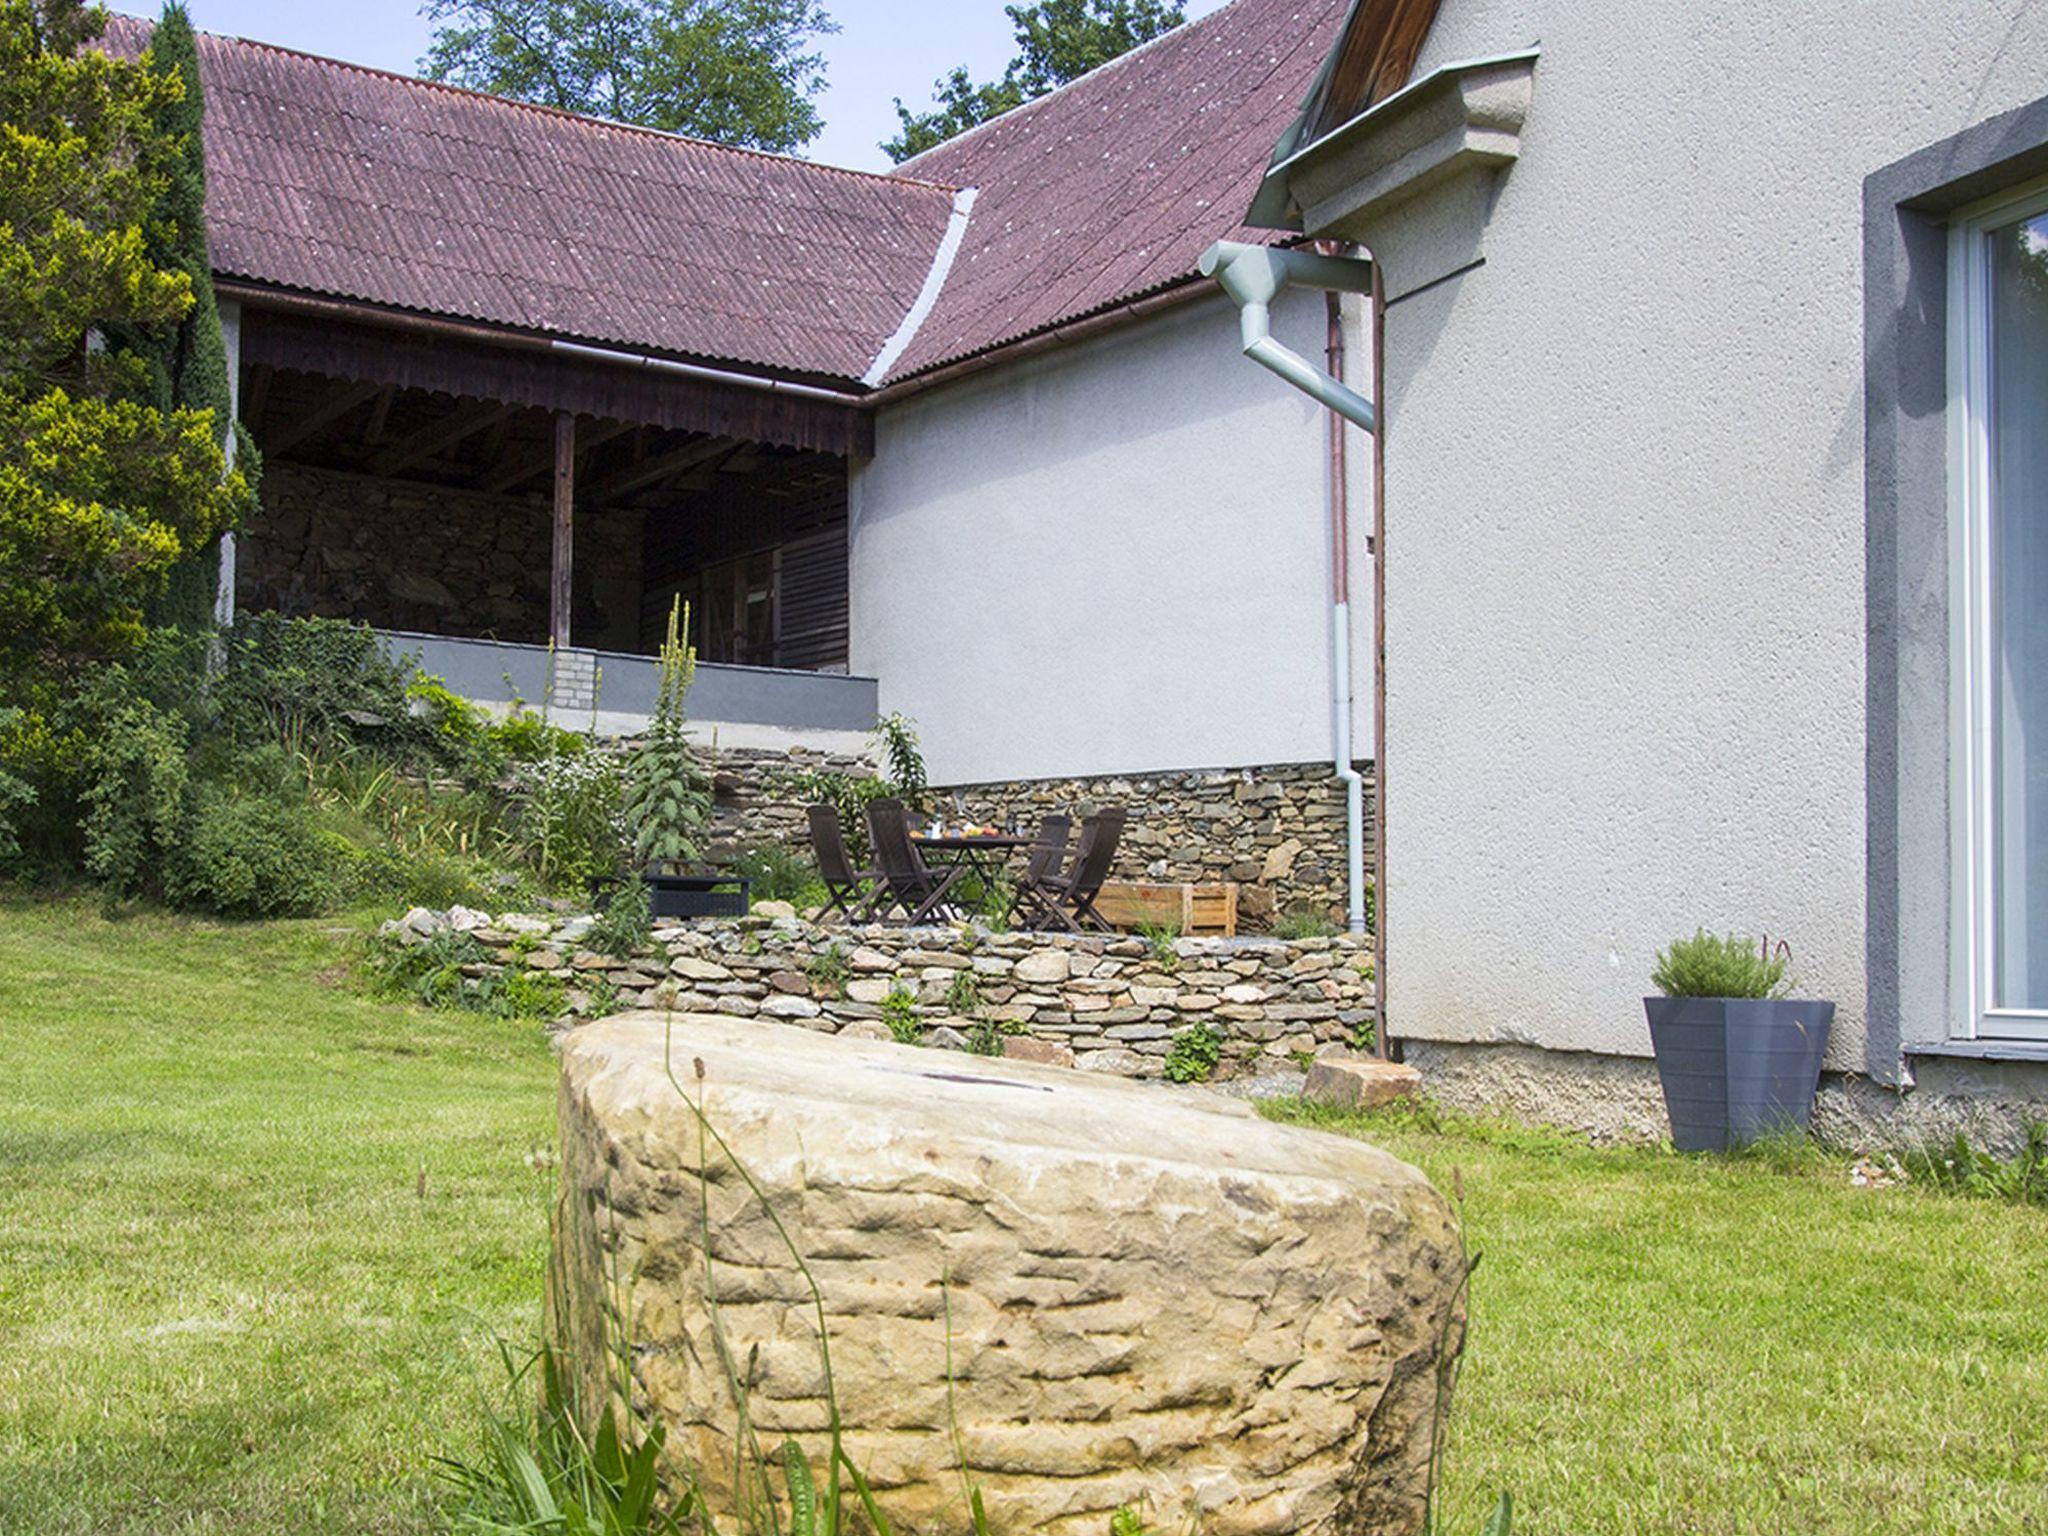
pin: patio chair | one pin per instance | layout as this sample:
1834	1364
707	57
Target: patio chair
902	878
1066	902
1048	854
847	890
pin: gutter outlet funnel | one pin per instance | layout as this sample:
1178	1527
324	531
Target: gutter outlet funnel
1253	276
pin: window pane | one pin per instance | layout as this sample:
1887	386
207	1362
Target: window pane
2019	611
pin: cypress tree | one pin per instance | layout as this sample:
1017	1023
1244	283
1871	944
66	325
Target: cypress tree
187	361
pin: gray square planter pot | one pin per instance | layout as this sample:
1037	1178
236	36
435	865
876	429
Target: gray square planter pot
1736	1068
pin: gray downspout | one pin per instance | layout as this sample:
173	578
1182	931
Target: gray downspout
1340	626
1253	276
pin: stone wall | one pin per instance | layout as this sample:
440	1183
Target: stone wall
1100	1003
750	799
405	556
1278	832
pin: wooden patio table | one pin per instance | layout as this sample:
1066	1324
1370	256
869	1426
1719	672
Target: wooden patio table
981	854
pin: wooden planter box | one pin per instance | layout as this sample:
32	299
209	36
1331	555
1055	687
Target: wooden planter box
1189	908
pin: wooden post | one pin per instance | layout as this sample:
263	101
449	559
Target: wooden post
565	506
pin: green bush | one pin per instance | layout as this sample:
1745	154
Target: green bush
626	926
317	684
896	736
899	1012
434	972
16	796
1195	1053
569	820
1707	966
135	794
465	738
526	734
777	873
251	857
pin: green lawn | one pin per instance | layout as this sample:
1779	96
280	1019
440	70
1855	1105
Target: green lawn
1670	1344
225	1305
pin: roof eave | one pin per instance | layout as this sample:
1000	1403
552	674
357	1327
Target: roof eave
1468	110
261	293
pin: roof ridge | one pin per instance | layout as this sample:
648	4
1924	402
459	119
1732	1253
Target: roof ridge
591	118
1184	29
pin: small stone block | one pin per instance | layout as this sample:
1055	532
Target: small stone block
1361	1082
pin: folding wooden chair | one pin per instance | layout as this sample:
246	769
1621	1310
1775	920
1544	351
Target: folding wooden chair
903	880
1048	855
1067	902
847	890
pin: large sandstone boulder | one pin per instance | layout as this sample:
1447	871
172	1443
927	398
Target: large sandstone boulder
1153	1297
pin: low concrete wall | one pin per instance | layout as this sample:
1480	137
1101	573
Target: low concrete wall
622	687
1616	1098
1103	1004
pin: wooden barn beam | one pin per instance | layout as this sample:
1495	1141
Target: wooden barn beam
464	421
565	509
337	405
522	469
380	415
663	466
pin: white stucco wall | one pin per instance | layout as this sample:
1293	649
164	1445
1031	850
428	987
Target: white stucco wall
1111	558
1625	499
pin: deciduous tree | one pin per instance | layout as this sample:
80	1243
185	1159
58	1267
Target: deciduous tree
735	71
1057	41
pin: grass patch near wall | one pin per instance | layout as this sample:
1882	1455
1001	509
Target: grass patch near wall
256	1228
1712	1345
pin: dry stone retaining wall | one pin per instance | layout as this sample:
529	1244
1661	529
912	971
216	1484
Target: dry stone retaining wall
1278	832
1100	1003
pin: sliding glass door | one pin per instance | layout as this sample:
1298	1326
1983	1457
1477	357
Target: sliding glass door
1999	436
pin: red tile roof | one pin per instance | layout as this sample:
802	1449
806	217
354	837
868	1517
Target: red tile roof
339	180
1111	187
332	179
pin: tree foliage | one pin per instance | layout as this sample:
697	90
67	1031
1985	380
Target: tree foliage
185	362
1057	41
735	71
108	481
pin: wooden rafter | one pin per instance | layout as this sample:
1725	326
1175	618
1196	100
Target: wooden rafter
337	405
464	421
662	466
522	469
380	415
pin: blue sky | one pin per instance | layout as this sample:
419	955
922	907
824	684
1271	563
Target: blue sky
884	48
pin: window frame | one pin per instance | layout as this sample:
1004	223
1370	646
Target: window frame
1973	895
